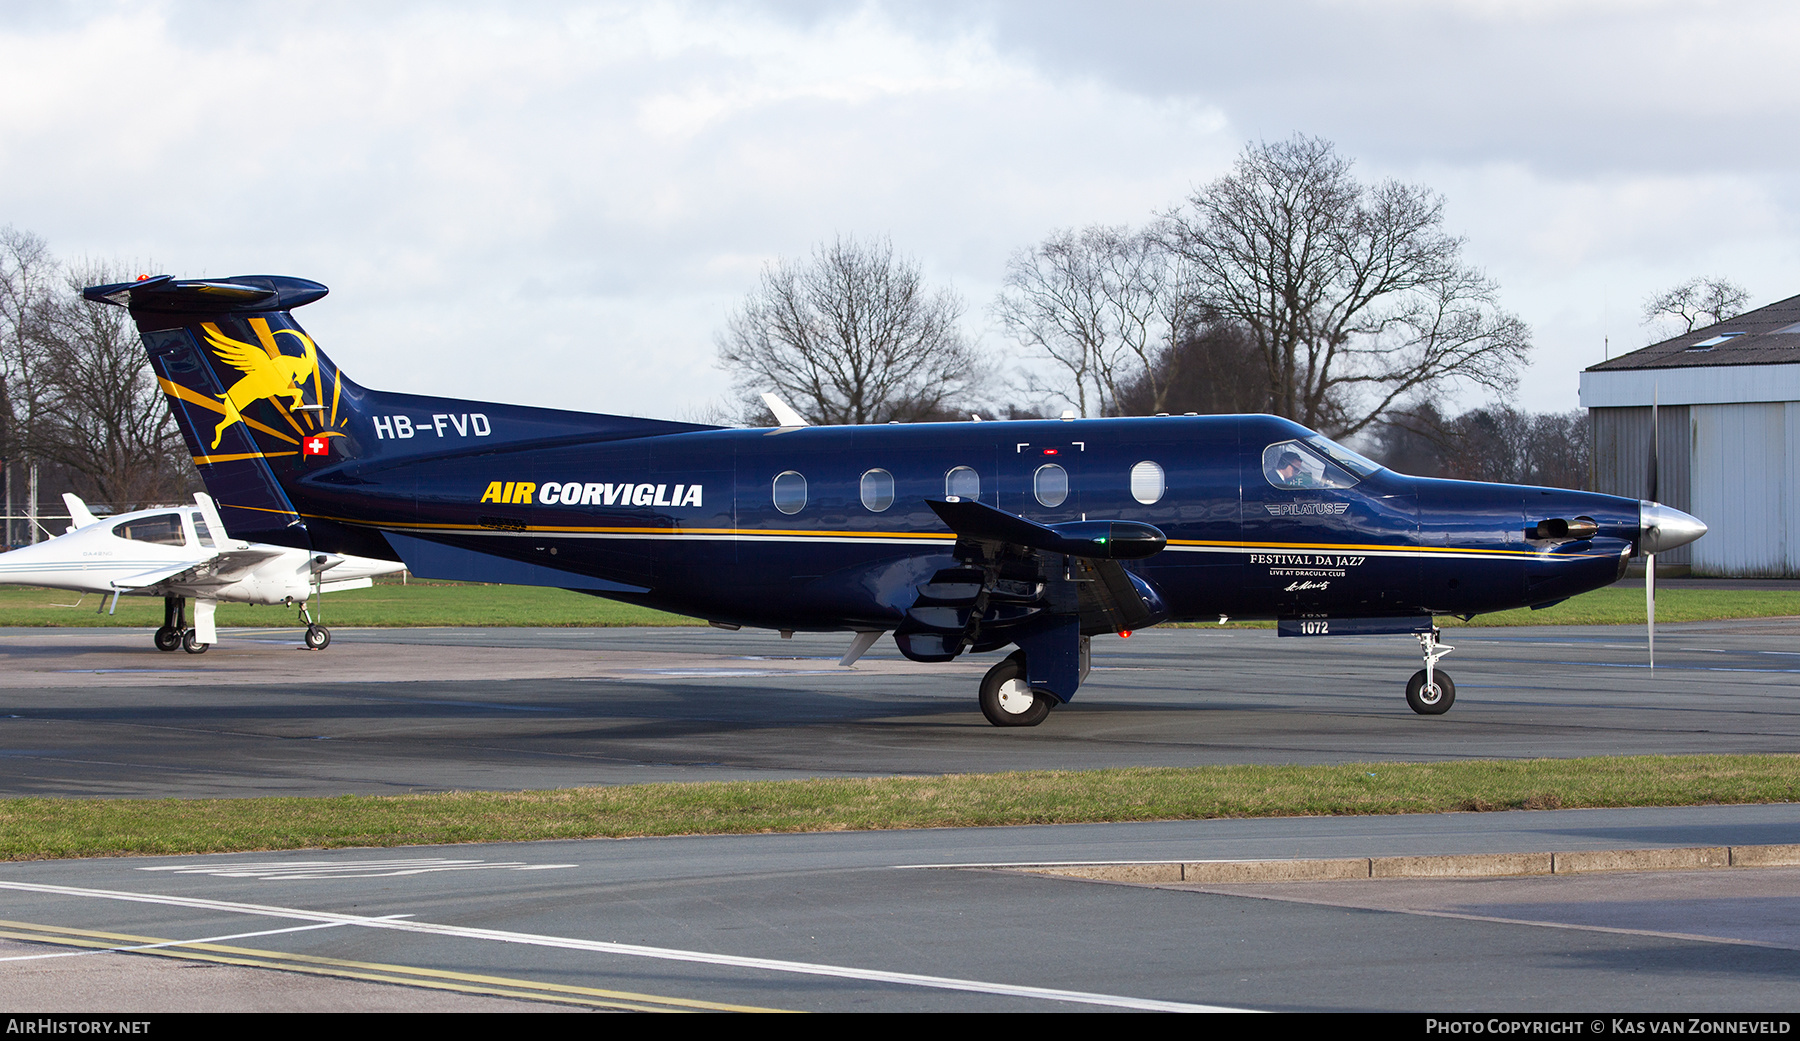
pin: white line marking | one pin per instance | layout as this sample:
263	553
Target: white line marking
49	938
906	979
299	870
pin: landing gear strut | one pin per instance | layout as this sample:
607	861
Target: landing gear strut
317	636
1430	692
174	623
1008	701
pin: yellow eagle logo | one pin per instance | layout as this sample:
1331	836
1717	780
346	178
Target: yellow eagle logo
268	373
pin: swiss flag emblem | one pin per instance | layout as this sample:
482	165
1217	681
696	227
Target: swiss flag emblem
316	446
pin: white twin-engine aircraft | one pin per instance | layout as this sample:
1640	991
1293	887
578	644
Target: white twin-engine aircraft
181	553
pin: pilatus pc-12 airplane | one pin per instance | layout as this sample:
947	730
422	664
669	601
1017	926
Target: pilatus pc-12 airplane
955	537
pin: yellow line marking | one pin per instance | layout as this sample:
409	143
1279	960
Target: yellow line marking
1347	547
379	972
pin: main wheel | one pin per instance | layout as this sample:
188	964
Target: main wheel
190	643
1008	701
317	637
168	638
1433	700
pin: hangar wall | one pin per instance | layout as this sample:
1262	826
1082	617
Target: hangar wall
1621	459
1746	462
1735	466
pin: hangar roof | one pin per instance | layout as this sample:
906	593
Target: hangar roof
1766	336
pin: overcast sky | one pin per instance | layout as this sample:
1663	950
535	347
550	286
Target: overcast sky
558	204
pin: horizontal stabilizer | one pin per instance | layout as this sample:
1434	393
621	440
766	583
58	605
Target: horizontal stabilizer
170	295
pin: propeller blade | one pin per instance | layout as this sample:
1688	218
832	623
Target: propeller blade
1650	558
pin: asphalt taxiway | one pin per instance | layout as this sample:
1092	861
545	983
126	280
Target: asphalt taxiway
928	920
898	920
98	712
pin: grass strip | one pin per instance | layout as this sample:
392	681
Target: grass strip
47	828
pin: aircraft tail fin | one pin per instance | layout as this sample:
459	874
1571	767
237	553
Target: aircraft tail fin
277	430
79	514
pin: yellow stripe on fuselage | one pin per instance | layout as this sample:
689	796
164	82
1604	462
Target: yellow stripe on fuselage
821	535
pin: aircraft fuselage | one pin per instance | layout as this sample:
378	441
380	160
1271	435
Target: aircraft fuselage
689	521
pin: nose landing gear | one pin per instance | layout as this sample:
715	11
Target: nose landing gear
317	636
1430	692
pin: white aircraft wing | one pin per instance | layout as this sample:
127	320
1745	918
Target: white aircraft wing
219	569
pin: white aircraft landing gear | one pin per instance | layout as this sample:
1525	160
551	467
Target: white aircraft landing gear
1431	692
1007	700
317	636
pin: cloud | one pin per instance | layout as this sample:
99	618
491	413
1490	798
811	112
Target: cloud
556	204
559	203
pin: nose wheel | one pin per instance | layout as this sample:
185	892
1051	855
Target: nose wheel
1431	692
317	637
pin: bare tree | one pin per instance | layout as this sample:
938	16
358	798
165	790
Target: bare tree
29	280
103	415
1103	305
851	336
1697	303
1353	293
1209	368
1497	443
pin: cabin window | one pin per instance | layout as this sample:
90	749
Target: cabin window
790	492
1148	483
202	530
1050	484
163	529
962	483
877	490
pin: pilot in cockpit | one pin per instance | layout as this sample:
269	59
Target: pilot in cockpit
1290	472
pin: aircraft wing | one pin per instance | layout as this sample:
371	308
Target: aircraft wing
219	569
1088	580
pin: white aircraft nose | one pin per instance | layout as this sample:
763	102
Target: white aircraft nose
1665	527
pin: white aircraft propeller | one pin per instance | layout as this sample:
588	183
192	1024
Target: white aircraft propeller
1650	557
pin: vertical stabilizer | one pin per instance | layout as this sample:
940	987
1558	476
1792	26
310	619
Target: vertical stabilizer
293	452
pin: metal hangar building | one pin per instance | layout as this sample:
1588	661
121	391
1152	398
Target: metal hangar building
1727	438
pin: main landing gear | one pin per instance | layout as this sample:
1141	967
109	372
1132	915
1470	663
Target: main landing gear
1430	692
1008	701
174	631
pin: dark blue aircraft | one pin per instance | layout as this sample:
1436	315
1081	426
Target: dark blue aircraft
955	537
